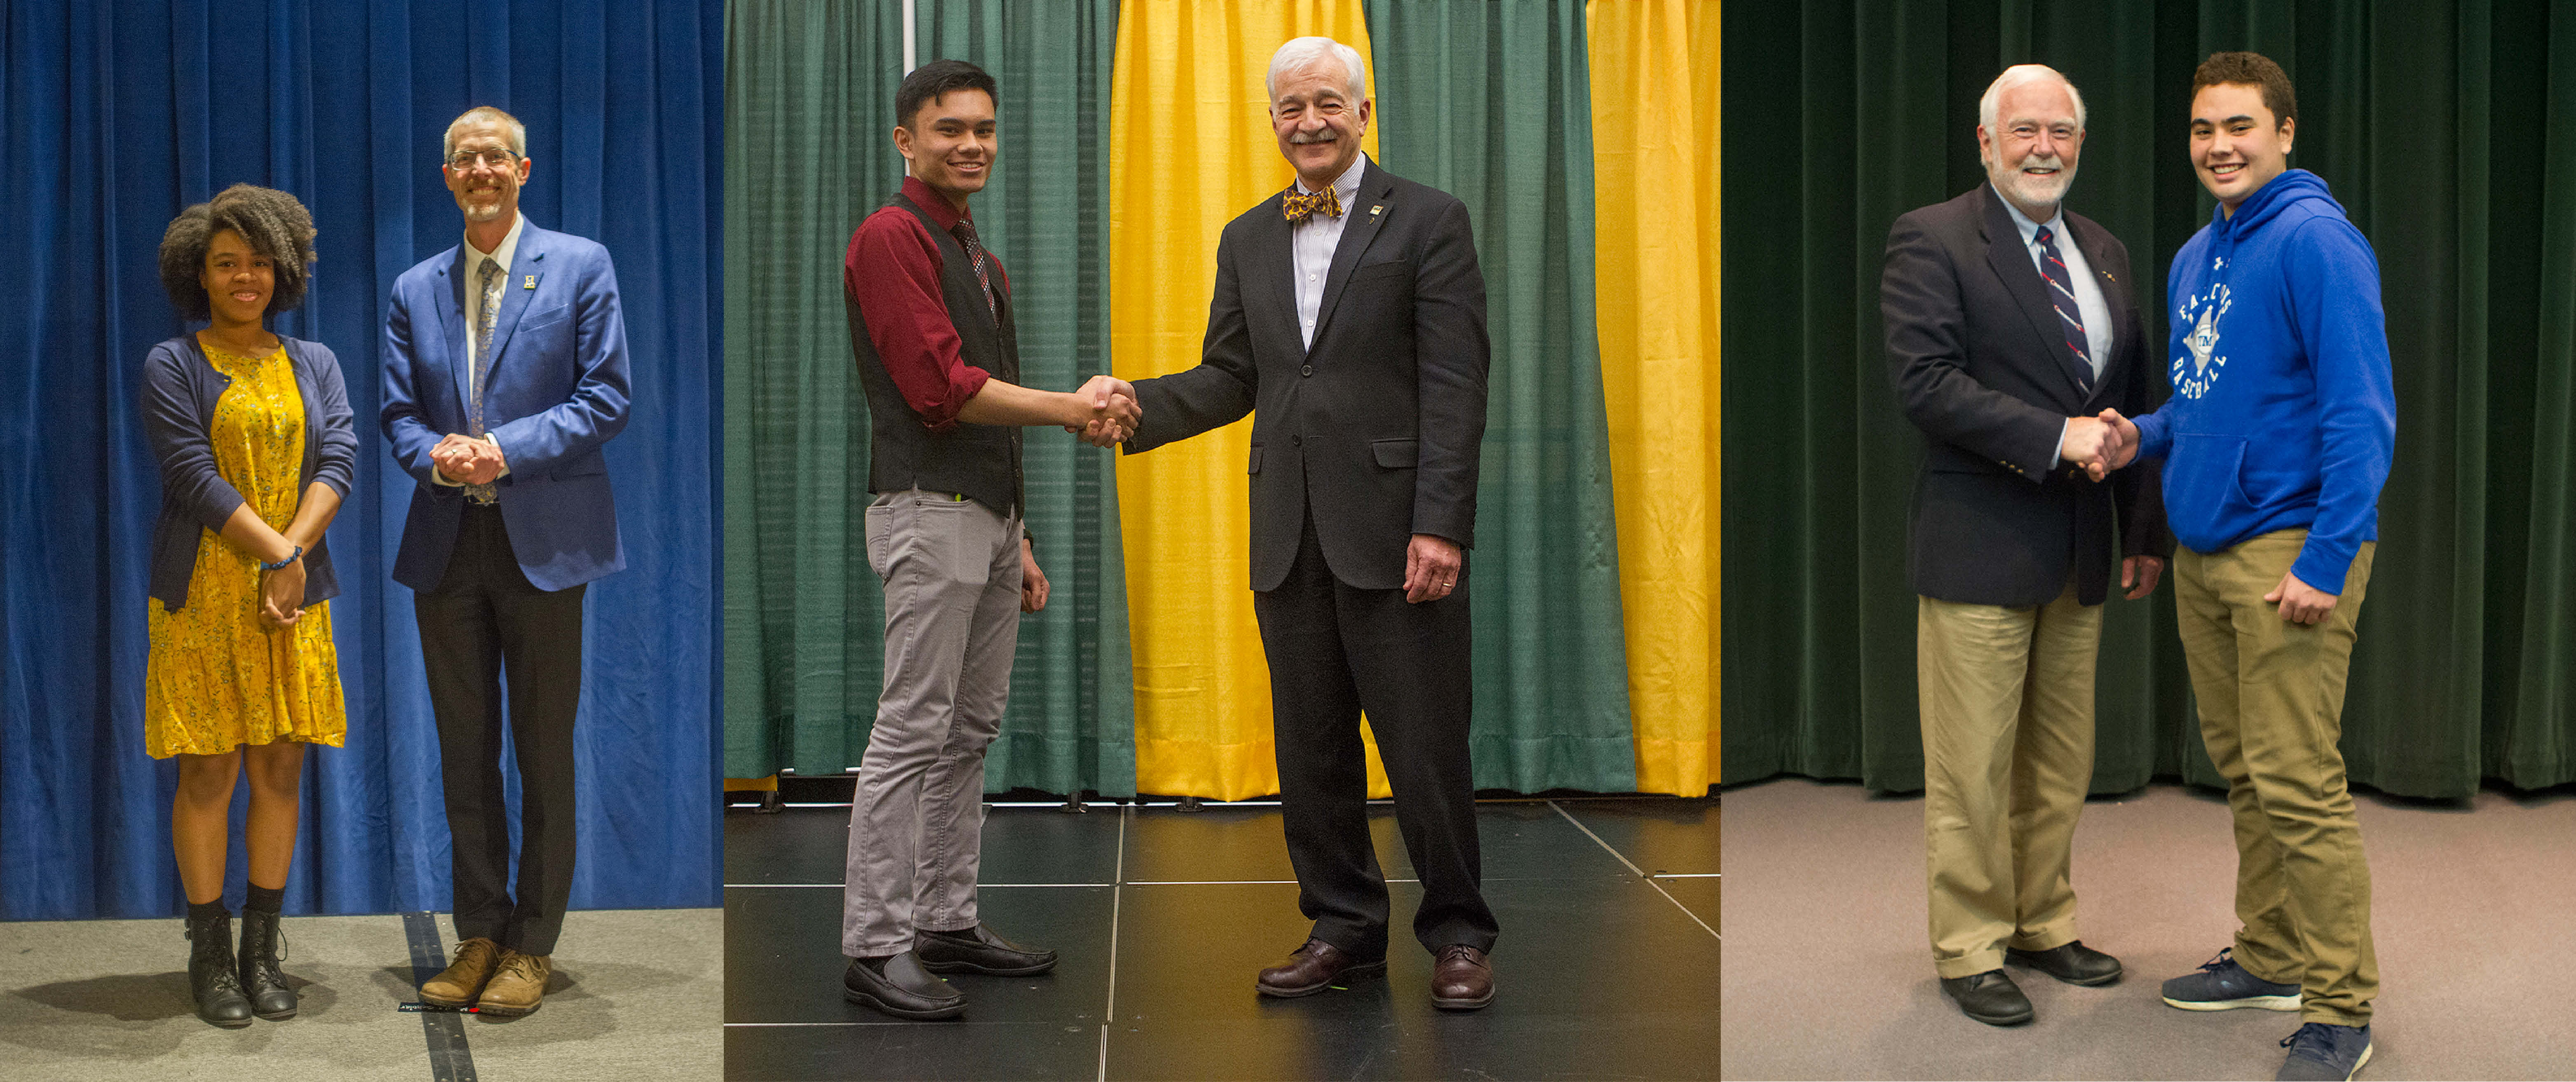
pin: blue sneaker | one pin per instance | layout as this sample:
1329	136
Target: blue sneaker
2222	985
2321	1050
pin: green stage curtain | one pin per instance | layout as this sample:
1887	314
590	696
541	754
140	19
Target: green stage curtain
1491	102
2449	132
809	108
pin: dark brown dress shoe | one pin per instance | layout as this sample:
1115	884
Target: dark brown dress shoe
1461	980
2072	962
1312	969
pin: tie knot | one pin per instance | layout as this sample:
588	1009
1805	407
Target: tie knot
965	231
2044	237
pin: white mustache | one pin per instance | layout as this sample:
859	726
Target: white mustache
1326	135
2050	162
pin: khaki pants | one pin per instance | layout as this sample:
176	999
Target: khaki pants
2271	707
2007	701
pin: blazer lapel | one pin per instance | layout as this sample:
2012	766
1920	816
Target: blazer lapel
527	270
1359	228
451	326
1272	262
2011	262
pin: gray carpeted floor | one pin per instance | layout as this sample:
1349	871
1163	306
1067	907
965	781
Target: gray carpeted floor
1827	973
636	994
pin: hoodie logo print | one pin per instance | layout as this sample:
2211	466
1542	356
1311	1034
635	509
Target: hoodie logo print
2194	375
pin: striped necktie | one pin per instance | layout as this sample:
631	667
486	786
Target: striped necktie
983	275
2061	296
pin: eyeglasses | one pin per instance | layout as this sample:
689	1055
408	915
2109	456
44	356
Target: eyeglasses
495	158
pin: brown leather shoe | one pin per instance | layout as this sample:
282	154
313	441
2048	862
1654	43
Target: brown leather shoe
518	987
1312	969
1461	980
462	980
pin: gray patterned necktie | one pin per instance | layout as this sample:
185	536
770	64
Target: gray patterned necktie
484	321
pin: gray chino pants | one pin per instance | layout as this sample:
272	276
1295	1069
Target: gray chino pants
952	597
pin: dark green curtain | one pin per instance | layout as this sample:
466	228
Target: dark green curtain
809	107
1491	102
2449	132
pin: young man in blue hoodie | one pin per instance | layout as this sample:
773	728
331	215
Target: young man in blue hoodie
2275	445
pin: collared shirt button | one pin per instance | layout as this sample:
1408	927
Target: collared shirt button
1305	369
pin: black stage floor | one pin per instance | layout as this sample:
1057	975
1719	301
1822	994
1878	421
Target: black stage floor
1607	966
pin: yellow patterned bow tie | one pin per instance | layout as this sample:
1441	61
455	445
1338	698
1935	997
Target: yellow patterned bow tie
1297	206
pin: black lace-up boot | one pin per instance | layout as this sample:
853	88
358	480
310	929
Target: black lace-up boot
263	946
211	978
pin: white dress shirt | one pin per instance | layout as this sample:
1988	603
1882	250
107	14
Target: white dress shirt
474	314
2090	305
1311	245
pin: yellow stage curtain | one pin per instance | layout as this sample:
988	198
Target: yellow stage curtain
1192	148
1654	139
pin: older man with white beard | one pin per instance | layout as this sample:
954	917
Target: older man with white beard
2009	329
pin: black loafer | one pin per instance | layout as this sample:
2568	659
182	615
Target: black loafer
1989	997
978	950
900	987
2072	962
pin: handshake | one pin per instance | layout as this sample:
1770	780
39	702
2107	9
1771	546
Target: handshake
2100	444
1106	410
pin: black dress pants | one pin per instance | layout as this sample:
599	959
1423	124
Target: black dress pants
1334	651
483	619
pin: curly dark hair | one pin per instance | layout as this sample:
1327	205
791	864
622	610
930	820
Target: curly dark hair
277	228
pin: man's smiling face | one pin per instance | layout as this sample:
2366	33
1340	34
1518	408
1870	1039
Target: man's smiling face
2237	145
2030	151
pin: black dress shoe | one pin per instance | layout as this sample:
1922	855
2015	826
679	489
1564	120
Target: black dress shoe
900	987
978	950
263	946
212	979
1989	997
2072	962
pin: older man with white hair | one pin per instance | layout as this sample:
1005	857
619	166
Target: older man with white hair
1349	319
2009	329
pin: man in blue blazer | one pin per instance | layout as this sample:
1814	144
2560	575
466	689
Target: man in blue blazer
505	373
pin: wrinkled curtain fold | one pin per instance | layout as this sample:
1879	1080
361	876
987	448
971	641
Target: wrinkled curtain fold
810	112
2443	128
120	115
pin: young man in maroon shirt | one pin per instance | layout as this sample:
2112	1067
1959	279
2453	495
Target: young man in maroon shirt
930	321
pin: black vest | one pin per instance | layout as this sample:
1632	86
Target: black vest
980	461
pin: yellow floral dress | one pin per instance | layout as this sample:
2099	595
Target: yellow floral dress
218	678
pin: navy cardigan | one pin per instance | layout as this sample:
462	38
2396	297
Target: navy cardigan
179	391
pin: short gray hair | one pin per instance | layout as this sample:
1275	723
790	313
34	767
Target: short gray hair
2019	75
482	114
1300	52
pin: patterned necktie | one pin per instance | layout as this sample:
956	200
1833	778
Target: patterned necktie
2061	296
484	321
965	231
1296	205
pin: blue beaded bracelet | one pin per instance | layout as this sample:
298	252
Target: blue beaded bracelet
291	558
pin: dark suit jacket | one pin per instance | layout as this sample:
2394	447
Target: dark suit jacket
1980	364
1382	418
558	393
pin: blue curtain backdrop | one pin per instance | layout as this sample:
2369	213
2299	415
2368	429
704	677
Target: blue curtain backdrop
119	115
